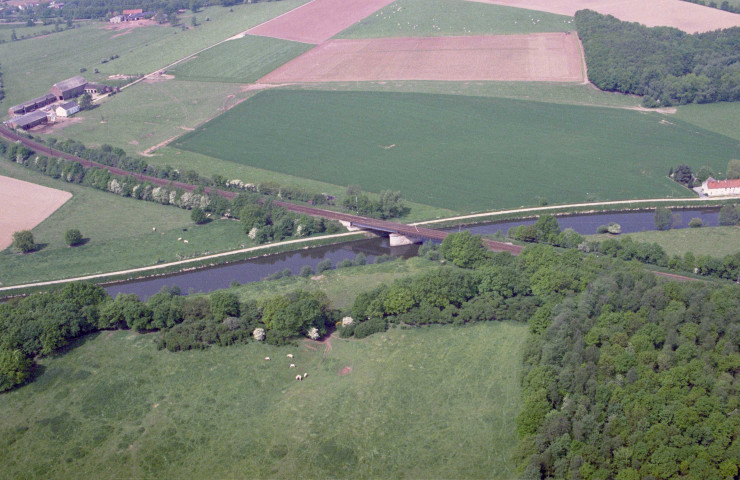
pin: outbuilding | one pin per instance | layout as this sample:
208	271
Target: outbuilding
31	105
67	109
29	120
69	88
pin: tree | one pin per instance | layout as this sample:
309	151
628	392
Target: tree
704	173
224	304
86	102
15	368
13	36
463	249
198	216
733	168
23	241
729	215
663	218
682	174
73	237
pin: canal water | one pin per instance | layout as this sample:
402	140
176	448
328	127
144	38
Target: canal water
256	269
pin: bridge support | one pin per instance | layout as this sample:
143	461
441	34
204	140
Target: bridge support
349	226
397	240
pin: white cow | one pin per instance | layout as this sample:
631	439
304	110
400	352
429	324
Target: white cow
292	365
267	358
305	375
298	377
290	355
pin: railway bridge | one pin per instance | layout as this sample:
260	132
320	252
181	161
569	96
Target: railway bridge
400	234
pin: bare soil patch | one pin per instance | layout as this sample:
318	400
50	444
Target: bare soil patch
689	17
158	77
319	20
50	128
344	371
24	205
544	57
126	27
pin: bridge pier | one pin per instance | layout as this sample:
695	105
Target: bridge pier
349	226
397	240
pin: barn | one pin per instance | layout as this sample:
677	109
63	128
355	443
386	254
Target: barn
721	188
29	120
69	88
31	105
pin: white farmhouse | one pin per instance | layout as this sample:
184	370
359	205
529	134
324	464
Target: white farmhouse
721	188
67	109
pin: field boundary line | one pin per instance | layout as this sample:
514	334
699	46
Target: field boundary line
173	264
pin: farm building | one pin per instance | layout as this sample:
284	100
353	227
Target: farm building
133	11
97	88
29	120
31	105
720	188
116	19
67	109
69	88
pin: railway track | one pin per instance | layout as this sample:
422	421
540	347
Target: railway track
362	222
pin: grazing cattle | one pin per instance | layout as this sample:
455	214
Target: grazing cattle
185	241
298	377
179	239
292	365
305	375
290	355
267	358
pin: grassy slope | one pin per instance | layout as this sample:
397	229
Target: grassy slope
462	153
150	113
424	18
30	67
257	56
723	118
422	403
714	241
120	232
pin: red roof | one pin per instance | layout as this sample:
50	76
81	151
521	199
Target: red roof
133	11
724	184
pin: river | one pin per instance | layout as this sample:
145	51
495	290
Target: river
256	269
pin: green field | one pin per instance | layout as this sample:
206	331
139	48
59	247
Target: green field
31	67
723	118
713	241
425	18
421	403
461	153
150	113
257	56
119	231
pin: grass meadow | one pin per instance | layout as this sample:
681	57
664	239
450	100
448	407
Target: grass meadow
434	402
461	153
428	18
32	66
119	231
242	60
714	241
151	113
723	118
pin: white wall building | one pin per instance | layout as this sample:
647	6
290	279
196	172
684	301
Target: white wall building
721	188
67	109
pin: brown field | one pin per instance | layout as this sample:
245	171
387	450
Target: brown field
689	17
542	57
319	20
24	205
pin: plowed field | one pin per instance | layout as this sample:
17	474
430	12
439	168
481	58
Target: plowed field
689	17
319	20
24	205
545	57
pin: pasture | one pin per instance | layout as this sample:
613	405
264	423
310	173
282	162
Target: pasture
462	153
257	56
433	18
722	118
119	231
713	241
424	403
32	66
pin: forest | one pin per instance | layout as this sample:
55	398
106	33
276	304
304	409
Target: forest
663	64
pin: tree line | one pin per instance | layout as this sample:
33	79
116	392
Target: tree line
664	65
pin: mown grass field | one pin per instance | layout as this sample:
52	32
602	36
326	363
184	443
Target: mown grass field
257	56
151	113
119	231
461	153
714	241
426	18
422	403
31	67
723	118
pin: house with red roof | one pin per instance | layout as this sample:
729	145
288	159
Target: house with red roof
721	188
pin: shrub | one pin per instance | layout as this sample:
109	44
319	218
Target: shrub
198	216
369	327
73	237
23	241
346	263
696	223
306	271
323	266
614	228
